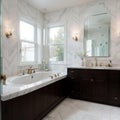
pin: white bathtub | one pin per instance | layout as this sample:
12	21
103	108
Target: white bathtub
30	78
20	85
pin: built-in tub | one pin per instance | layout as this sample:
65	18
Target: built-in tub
23	84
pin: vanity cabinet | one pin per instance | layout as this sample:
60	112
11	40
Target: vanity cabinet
34	105
114	87
98	85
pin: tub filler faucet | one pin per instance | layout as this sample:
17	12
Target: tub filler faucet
3	78
31	70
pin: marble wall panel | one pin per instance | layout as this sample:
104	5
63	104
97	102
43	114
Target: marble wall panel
73	18
12	12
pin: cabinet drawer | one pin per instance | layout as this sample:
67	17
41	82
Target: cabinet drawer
87	74
73	73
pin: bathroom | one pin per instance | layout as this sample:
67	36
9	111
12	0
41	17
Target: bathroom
59	60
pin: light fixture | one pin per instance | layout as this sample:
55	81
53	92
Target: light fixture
8	34
8	31
75	37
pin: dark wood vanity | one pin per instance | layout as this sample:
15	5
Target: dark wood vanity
34	105
97	85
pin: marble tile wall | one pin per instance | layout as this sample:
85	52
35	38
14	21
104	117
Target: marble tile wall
12	12
9	46
73	19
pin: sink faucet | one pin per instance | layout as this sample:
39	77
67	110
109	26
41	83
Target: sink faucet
30	70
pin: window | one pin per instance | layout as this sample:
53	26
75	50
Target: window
56	45
29	43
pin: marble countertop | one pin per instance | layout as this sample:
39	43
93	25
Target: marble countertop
11	90
97	67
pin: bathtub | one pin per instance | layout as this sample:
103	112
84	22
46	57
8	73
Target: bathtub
23	84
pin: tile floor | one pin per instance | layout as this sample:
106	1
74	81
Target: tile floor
71	109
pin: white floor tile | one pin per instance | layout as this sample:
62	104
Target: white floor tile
71	109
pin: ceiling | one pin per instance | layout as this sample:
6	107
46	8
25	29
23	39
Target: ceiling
53	5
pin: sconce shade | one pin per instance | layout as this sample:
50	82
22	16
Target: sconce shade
8	34
75	38
8	30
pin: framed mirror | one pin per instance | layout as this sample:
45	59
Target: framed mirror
97	35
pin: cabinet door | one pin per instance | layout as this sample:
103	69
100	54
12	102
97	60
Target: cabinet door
7	110
47	97
22	107
86	85
81	82
100	88
74	81
114	87
89	84
39	103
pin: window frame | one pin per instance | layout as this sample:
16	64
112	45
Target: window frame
64	45
35	43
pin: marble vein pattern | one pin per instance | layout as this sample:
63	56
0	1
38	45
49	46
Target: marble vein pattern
12	12
71	109
73	19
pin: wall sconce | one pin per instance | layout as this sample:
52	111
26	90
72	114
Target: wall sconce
8	31
75	37
8	34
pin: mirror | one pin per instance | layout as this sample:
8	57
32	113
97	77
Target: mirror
97	35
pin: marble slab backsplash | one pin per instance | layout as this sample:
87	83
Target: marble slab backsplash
95	62
73	19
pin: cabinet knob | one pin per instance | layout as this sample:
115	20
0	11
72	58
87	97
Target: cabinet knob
72	71
115	98
91	79
72	78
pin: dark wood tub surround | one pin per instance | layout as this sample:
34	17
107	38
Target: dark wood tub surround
35	105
